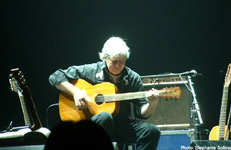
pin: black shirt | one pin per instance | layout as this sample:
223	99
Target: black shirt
96	73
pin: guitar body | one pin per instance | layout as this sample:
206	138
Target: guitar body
214	134
69	111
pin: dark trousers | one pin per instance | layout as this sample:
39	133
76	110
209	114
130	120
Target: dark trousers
144	134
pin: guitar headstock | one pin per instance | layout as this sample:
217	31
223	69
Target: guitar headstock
228	76
173	92
16	79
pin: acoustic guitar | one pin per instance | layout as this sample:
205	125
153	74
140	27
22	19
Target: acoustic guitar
104	97
221	132
16	88
30	115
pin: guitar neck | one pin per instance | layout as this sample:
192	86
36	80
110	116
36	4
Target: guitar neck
130	96
124	96
24	110
36	121
223	110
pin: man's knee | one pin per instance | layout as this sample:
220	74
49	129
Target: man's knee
156	130
153	130
105	120
102	118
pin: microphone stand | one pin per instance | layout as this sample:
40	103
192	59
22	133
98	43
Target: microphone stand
197	120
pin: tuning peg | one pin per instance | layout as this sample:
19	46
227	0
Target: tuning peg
10	76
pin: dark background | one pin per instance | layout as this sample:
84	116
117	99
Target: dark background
164	36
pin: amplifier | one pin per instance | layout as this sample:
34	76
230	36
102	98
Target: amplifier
170	113
175	139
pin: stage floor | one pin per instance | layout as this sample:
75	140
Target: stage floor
27	147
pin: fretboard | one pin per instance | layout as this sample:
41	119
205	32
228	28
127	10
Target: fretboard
24	110
132	95
223	112
124	96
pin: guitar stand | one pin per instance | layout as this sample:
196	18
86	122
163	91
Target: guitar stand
10	128
197	119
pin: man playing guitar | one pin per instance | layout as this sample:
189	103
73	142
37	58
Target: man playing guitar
121	127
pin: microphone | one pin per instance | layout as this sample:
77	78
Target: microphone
192	73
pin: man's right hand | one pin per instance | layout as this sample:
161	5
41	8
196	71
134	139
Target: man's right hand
81	99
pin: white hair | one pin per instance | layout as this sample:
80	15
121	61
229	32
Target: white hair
114	46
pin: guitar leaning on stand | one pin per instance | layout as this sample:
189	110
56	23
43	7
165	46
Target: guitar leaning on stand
33	129
221	132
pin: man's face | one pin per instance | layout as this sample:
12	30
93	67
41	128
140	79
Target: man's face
115	65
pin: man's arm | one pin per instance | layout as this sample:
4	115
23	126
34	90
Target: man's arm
148	108
80	97
60	79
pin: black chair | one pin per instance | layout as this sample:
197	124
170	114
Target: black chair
52	116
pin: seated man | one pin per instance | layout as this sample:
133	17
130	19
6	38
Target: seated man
112	68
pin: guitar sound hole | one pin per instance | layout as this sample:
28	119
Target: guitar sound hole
99	99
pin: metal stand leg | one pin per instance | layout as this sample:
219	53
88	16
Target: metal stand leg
197	120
